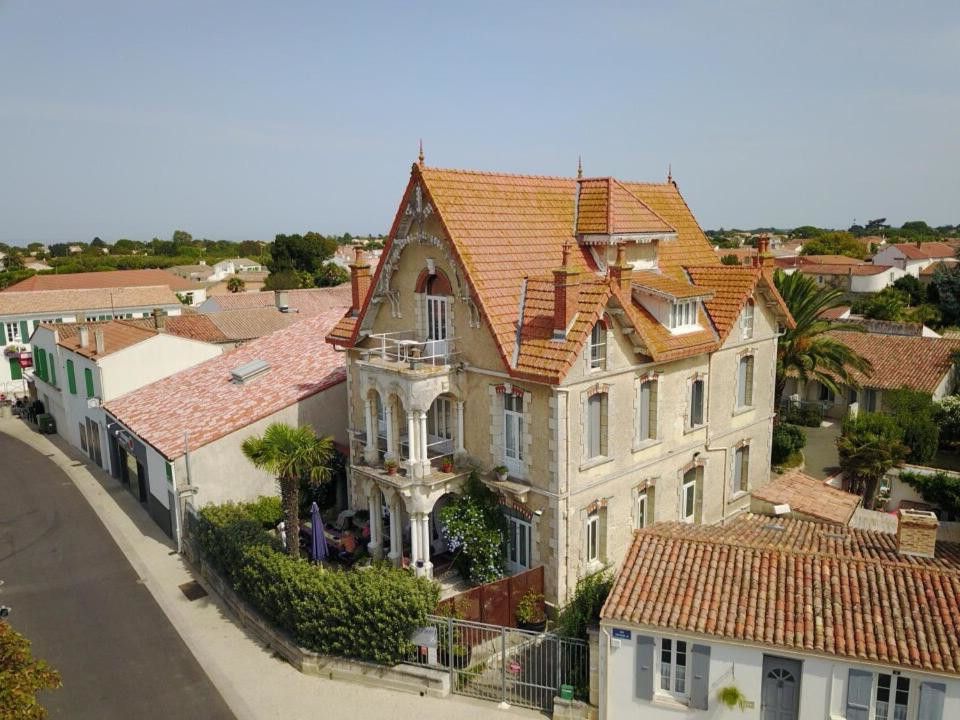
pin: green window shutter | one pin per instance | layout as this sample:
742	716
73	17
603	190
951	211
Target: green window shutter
71	378
15	372
88	381
52	360
169	469
24	331
41	363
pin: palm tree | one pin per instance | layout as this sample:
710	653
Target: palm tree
805	350
235	284
291	453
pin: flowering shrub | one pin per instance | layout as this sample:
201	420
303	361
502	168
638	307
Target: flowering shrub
476	529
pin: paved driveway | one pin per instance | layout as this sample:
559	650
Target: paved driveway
75	596
820	456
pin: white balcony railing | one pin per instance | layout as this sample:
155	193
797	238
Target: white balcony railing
405	347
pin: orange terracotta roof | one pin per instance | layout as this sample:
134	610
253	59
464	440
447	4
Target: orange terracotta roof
809	496
925	251
795	585
311	301
667	285
502	227
192	326
846	269
105	279
203	401
117	336
940	266
918	363
86	300
605	206
732	287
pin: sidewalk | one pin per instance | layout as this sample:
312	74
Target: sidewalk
255	684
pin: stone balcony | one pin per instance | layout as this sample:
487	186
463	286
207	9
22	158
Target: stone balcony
403	353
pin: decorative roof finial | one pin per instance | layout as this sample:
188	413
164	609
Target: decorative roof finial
420	156
579	167
669	173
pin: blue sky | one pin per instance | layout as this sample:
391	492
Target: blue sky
244	119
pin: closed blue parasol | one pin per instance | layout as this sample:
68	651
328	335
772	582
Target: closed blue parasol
318	544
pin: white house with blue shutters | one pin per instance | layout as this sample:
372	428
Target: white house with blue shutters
791	619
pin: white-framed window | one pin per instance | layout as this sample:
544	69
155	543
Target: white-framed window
440	419
673	668
741	469
683	315
381	417
688	496
746	320
745	382
642	518
593	537
519	533
597	425
870	400
513	431
13	332
598	347
892	697
648	410
698	392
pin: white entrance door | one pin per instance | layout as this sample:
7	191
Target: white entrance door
438	325
518	544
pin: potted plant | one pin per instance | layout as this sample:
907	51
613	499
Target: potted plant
446	465
501	472
390	466
732	697
530	612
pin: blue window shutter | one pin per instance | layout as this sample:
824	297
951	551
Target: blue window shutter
646	647
859	687
700	685
931	701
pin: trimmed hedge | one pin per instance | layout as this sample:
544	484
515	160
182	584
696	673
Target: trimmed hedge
786	440
365	614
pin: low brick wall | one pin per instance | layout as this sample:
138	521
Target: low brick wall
408	678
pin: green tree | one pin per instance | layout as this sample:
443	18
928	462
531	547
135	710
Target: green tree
330	274
304	253
869	445
913	288
182	237
584	607
805	232
22	677
835	243
888	304
730	259
236	284
13	262
945	292
282	280
291	453
915	413
805	350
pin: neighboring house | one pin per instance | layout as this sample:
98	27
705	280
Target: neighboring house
78	367
224	268
914	257
886	327
252	282
21	313
853	278
228	328
180	437
806	619
801	497
197	273
303	302
928	273
189	292
579	332
924	364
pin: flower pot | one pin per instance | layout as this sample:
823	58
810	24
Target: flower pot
446	467
502	476
392	470
536	626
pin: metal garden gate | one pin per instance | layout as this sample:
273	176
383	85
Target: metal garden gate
504	664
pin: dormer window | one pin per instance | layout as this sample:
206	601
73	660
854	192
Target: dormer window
598	347
683	315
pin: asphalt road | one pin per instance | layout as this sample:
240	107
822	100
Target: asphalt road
75	596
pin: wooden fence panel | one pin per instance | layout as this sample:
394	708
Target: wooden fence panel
494	603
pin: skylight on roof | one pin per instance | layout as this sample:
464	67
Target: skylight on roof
248	371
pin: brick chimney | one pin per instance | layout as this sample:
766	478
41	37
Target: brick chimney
564	296
84	335
621	272
916	532
359	280
98	341
159	319
763	249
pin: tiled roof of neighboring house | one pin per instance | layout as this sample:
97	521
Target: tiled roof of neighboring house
925	251
194	326
606	206
843	269
99	299
305	302
201	271
249	323
941	265
117	335
797	261
885	327
240	261
797	585
809	496
918	363
505	227
837	313
106	279
204	401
